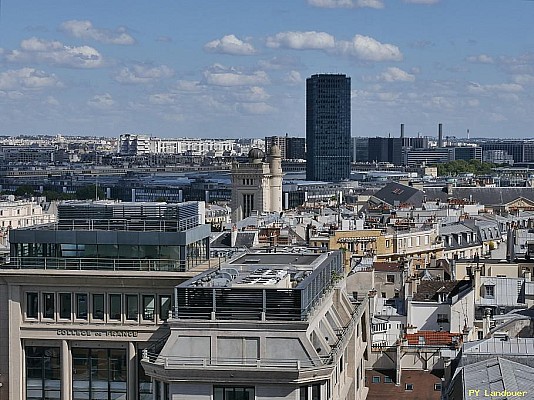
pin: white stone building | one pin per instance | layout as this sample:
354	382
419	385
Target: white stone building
257	185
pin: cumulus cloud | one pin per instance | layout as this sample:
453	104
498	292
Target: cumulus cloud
256	108
141	73
368	49
347	3
310	40
162	98
293	78
362	47
524	79
481	59
395	74
27	79
101	101
477	88
85	30
56	53
252	94
219	77
230	44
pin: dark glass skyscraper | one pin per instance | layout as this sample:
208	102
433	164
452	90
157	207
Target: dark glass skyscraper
328	127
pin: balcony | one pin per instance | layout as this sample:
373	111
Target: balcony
108	264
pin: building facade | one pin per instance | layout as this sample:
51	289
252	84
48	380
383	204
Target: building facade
257	185
80	299
265	326
328	127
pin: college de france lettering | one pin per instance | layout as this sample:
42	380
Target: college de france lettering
87	333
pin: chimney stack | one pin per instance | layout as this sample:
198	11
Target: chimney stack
440	135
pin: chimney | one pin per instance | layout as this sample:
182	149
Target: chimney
440	135
233	236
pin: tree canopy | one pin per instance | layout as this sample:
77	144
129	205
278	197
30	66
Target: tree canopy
457	167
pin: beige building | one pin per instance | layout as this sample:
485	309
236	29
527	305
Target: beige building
257	185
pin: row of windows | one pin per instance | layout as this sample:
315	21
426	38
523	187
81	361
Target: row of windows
102	307
407	386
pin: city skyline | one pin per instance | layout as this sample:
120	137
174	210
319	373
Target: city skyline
238	69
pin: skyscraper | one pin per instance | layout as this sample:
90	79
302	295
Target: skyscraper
328	127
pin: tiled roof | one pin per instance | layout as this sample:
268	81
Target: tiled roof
428	290
382	266
433	338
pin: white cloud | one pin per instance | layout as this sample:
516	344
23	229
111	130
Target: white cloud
302	40
85	30
524	79
56	53
141	73
395	74
477	88
256	108
230	44
481	59
51	101
101	101
234	78
293	78
347	3
363	47
162	98
368	49
27	79
253	94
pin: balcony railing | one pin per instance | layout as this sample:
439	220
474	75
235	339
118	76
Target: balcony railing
109	264
178	362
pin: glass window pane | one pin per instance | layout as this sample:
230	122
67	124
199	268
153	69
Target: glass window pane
81	306
148	307
132	306
98	306
48	305
32	305
65	305
115	306
164	307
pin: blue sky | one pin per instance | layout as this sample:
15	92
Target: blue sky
237	68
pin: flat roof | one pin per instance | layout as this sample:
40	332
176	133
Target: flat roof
285	259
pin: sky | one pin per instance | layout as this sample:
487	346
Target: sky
238	68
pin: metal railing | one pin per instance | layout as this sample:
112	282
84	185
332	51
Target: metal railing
109	264
178	362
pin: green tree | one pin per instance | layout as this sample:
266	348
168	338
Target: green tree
90	192
25	191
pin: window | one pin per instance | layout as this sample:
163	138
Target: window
115	306
32	305
81	306
98	306
48	305
384	295
408	386
390	278
164	307
489	291
65	305
376	379
233	393
387	243
443	318
437	387
43	372
132	307
303	393
148	307
387	379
